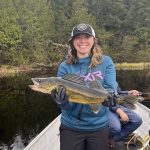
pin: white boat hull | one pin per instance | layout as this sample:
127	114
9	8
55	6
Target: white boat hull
48	139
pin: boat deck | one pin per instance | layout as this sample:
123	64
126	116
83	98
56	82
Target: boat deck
123	147
48	139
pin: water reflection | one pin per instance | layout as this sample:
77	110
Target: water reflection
24	113
136	79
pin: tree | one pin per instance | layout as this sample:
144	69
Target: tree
10	33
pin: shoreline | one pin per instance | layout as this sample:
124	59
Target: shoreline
8	70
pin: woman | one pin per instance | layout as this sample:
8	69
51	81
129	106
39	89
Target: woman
81	127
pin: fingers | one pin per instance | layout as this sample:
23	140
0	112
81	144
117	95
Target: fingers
62	92
122	114
134	93
53	93
55	96
124	117
59	93
123	120
60	97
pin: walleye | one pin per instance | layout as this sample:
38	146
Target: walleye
77	89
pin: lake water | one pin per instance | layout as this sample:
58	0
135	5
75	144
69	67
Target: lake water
24	113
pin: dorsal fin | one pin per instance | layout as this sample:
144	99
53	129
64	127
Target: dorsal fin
74	78
96	85
80	80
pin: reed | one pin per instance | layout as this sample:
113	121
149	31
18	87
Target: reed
7	70
133	66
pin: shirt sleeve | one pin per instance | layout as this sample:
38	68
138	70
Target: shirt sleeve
110	80
62	70
114	108
119	92
110	75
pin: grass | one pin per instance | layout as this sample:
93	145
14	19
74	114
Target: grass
8	70
133	66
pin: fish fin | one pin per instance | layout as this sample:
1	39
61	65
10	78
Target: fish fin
74	78
128	105
131	99
95	108
80	80
96	85
128	101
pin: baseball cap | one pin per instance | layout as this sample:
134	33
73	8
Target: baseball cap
82	29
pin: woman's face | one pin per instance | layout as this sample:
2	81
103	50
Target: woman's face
83	44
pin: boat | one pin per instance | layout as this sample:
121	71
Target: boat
48	139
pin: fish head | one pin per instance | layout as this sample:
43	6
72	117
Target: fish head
44	85
40	81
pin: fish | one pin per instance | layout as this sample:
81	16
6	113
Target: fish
77	89
128	101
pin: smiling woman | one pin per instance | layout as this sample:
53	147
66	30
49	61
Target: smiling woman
83	44
86	123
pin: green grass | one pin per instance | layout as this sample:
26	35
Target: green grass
133	66
7	70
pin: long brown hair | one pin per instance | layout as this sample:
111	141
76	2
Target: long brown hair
96	54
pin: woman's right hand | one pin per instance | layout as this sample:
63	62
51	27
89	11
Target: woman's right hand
60	97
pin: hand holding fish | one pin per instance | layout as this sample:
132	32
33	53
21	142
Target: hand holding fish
134	93
60	97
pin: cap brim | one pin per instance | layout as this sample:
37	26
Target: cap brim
79	34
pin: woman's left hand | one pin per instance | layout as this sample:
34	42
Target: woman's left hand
134	93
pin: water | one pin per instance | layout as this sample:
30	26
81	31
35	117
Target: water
24	113
136	79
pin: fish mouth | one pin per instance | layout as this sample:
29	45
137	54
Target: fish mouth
39	81
35	82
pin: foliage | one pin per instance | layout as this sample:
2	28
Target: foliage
29	28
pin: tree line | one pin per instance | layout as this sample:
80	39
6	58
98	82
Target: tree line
31	29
